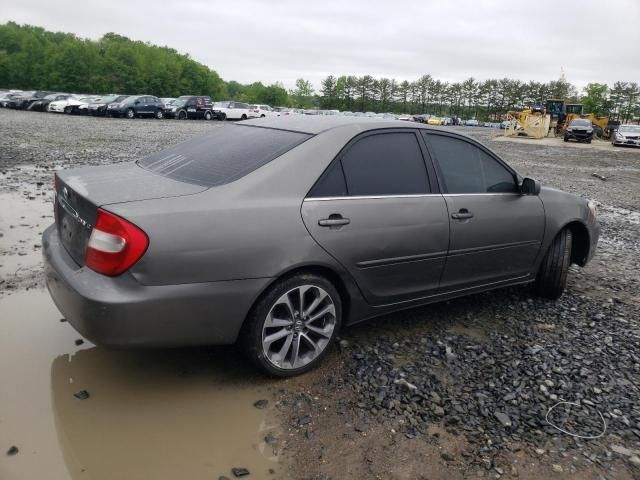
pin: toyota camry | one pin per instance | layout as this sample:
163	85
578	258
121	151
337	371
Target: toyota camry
274	233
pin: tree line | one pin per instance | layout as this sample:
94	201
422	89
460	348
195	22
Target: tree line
34	58
488	99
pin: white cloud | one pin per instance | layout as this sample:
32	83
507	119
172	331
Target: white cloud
281	40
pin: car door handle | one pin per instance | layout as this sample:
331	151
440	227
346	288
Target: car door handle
462	214
334	220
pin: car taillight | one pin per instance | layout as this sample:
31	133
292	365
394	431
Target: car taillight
115	245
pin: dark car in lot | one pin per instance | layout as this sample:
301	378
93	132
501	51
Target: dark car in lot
23	101
137	106
579	129
99	106
275	232
8	98
190	106
42	104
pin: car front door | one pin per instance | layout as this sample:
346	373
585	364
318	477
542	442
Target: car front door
191	108
139	106
377	211
495	231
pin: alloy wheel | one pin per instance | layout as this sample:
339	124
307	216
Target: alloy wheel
298	327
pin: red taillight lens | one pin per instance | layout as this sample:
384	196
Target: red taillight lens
115	245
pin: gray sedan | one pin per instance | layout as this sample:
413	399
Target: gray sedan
274	233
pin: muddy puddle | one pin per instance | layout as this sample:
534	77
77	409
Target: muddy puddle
166	414
23	218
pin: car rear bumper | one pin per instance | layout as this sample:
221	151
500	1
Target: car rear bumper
121	312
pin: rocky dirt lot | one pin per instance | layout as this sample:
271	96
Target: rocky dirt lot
461	389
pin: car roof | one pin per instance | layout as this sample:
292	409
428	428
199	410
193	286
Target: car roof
314	124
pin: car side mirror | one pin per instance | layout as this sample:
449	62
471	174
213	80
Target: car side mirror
530	187
137	102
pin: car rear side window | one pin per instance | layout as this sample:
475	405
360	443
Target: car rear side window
385	164
223	156
465	168
331	183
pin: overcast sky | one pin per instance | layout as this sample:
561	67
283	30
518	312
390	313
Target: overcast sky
281	40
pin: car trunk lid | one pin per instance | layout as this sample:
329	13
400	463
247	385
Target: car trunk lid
80	192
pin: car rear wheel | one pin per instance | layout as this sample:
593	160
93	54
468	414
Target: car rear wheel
291	327
182	115
131	113
566	139
223	116
552	276
208	116
67	110
159	114
244	117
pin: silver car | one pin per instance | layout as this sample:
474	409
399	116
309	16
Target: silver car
274	233
626	135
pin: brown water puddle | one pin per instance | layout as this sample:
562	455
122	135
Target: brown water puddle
22	222
151	414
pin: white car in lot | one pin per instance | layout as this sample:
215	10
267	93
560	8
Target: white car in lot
229	110
71	105
261	111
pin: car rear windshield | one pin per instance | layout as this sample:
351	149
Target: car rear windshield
223	156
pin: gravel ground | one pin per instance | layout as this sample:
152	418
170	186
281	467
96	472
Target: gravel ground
455	390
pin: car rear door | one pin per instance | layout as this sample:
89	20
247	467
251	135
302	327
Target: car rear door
495	231
376	209
191	107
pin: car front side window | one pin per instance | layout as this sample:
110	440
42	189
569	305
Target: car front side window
466	168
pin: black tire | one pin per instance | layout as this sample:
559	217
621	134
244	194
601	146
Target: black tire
262	116
552	276
68	110
566	139
208	115
159	115
131	114
182	115
223	117
244	117
589	141
250	339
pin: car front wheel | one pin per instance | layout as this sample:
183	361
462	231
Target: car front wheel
208	116
290	328
552	276
131	113
159	114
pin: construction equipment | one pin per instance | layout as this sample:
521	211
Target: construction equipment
538	121
530	123
562	114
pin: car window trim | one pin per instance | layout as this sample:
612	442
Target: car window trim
368	197
441	181
344	150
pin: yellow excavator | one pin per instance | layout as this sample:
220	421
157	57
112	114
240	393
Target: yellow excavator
602	125
554	116
530	123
